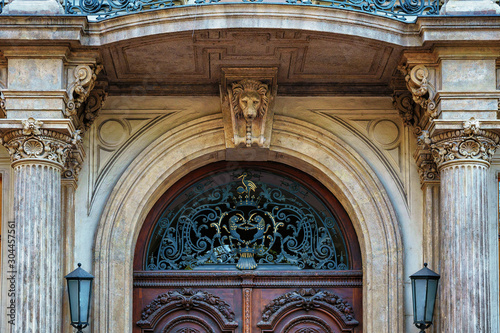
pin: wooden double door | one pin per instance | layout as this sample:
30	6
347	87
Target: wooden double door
247	248
284	302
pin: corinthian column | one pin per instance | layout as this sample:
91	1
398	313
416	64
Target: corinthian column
463	159
38	156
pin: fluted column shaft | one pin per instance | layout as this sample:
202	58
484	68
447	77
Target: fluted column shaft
37	211
463	160
38	157
465	284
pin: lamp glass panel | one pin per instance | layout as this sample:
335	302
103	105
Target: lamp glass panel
431	297
84	299
419	301
73	300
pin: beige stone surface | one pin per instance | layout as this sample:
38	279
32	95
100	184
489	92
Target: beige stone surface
355	144
149	180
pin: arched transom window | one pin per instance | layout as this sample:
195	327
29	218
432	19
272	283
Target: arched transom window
247	217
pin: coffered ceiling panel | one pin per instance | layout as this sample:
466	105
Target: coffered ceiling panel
308	63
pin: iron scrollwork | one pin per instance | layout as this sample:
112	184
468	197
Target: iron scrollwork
402	10
247	219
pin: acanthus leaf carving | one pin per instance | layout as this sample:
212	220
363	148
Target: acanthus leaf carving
249	102
423	92
79	90
470	143
33	142
308	299
90	110
403	102
74	161
187	299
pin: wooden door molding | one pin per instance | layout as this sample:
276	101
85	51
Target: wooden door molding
311	300
187	299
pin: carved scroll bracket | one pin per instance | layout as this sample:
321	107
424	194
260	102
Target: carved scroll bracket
403	102
247	96
86	96
81	86
422	91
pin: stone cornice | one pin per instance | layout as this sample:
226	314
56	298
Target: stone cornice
77	28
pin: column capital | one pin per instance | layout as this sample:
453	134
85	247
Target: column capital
426	165
34	144
470	144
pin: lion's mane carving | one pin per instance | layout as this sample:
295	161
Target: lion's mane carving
250	99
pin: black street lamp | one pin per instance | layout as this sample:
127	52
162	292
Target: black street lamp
424	284
80	292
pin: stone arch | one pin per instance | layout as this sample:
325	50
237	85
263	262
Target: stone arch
200	142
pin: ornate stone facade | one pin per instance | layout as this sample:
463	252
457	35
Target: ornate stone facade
333	69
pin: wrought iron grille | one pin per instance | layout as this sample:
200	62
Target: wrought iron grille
402	10
246	219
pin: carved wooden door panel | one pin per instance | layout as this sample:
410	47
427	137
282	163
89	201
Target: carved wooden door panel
256	248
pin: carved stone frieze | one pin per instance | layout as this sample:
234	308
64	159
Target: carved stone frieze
187	299
423	92
470	143
35	143
249	102
307	299
79	90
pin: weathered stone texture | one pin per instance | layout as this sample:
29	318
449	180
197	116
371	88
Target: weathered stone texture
465	281
37	207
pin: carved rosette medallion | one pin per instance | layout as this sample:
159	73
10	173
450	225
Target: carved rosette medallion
34	143
457	145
